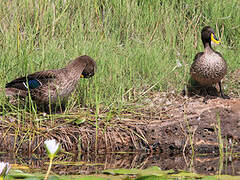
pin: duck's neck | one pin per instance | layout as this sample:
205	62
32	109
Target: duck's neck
74	73
75	69
207	46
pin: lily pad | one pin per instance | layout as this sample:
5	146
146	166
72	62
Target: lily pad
155	170
53	178
19	174
228	177
187	174
209	178
91	178
153	177
149	171
32	178
122	171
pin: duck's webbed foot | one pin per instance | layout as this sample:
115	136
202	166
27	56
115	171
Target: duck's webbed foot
224	96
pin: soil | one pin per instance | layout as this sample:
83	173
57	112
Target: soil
165	129
164	123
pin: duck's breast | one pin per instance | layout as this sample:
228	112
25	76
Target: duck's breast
209	69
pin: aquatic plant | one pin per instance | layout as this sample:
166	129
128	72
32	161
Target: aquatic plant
52	148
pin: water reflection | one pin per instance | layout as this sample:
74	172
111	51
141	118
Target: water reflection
88	164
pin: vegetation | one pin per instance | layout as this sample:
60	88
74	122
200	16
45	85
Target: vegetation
152	173
139	46
136	43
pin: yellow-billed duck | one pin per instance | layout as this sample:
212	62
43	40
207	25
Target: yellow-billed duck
52	85
209	67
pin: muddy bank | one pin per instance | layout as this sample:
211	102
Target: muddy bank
165	123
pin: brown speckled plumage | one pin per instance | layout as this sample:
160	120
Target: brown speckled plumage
208	67
52	85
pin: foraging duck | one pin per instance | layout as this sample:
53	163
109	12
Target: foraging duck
52	85
209	67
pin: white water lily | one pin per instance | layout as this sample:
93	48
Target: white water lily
4	169
52	147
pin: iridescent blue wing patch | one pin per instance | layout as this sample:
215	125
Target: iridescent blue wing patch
32	84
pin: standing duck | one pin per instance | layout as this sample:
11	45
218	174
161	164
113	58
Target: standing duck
48	87
209	67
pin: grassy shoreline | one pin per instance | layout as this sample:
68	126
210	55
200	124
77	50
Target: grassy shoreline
136	44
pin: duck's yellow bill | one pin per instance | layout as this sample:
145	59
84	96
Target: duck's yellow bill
214	39
81	76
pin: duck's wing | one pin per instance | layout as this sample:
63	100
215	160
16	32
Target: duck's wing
198	55
194	66
32	81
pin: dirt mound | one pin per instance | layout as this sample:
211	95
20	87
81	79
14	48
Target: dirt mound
194	125
164	123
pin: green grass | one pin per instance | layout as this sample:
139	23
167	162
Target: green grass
135	43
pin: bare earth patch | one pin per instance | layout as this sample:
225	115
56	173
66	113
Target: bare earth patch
163	123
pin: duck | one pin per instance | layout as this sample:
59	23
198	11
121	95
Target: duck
50	86
209	67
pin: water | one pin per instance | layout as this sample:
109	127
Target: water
89	164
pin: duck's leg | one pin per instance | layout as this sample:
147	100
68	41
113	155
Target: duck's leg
223	95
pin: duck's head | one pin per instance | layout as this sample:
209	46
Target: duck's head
208	36
90	68
84	64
